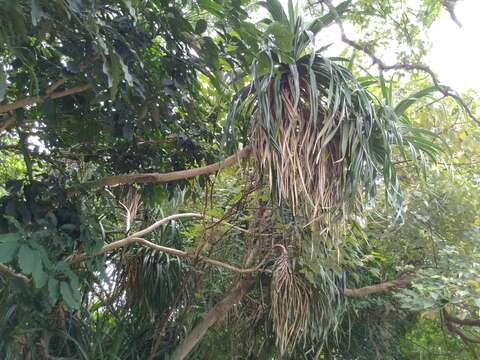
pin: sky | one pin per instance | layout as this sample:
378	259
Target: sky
455	54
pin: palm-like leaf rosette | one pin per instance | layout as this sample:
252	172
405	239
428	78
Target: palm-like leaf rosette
324	141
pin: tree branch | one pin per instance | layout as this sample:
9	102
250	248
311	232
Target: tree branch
445	90
467	339
164	177
31	100
456	320
136	239
217	313
9	121
5	269
377	289
50	91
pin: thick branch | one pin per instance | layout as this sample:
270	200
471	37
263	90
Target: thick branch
456	320
166	177
9	121
445	90
377	289
217	313
467	339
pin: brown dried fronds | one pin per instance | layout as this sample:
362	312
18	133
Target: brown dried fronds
306	167
291	299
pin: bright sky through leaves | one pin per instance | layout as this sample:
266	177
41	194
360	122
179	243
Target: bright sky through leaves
456	51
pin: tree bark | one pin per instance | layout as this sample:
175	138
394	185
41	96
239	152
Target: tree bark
9	121
217	313
175	175
381	288
456	320
163	177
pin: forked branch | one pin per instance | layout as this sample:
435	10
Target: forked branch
136	238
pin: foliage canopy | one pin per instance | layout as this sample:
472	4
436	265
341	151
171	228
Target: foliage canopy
174	174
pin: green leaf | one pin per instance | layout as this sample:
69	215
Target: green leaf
3	85
26	259
326	20
8	246
53	289
264	65
37	13
412	99
201	26
210	53
275	9
68	295
283	36
40	277
211	6
115	74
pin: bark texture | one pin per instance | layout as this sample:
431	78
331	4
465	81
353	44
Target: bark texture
175	175
381	288
217	313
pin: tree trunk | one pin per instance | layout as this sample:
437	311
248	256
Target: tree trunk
217	313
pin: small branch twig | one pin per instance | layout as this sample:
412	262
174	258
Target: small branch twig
136	238
50	91
445	90
160	330
5	269
456	320
467	339
31	100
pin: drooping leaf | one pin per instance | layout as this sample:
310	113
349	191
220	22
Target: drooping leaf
53	289
3	85
40	277
8	246
403	105
282	35
326	20
275	9
201	26
37	13
26	259
115	74
68	295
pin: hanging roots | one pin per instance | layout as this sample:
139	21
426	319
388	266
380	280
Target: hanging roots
131	202
290	304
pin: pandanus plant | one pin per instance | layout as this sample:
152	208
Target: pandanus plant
323	140
321	137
